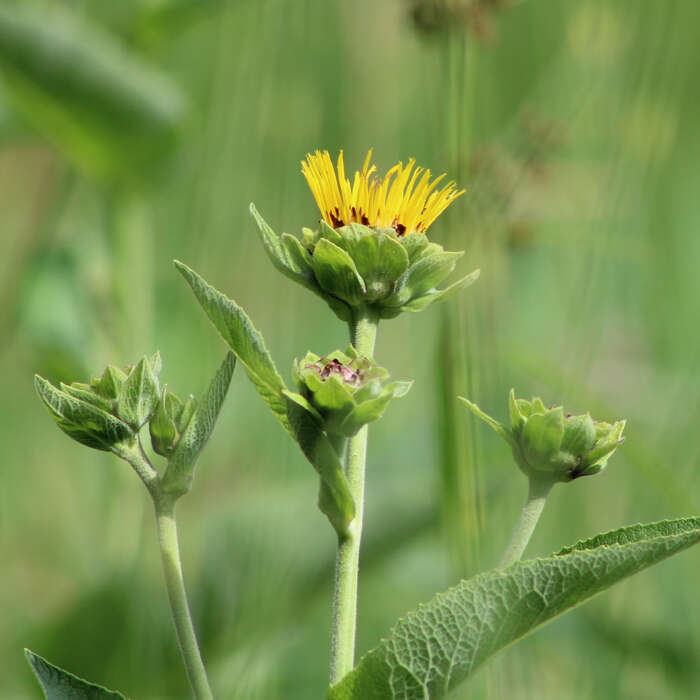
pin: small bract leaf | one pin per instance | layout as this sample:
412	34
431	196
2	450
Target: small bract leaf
380	260
427	273
414	243
517	419
579	434
336	272
542	437
138	395
432	650
441	294
179	473
59	684
276	251
244	340
492	422
162	427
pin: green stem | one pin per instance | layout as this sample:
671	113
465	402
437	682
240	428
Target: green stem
172	568
537	495
363	333
175	585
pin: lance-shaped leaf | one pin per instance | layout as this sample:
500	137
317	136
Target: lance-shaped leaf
334	498
434	649
178	476
433	297
280	258
59	684
244	340
138	395
81	420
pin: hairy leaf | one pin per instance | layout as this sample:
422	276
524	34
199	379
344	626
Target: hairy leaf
58	684
178	476
435	648
244	340
334	500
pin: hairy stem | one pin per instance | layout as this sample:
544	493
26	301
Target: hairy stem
537	495
175	585
363	332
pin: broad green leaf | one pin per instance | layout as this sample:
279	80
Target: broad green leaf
334	499
244	340
336	272
59	684
178	476
138	395
432	650
102	105
80	420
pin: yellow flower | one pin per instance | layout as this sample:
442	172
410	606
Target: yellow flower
399	200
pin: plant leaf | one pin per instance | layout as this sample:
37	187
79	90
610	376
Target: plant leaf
435	648
244	339
59	684
178	476
138	395
334	499
80	420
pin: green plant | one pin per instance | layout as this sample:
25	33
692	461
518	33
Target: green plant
369	260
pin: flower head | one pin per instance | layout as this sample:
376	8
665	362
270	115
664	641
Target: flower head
405	199
344	390
551	444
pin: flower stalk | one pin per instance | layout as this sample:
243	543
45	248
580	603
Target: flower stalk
363	333
538	491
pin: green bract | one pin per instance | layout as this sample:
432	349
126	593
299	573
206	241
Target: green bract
345	391
358	265
110	409
546	442
171	418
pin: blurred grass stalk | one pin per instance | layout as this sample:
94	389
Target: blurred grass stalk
457	346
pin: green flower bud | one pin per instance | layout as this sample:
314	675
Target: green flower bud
110	409
546	442
365	266
344	390
169	422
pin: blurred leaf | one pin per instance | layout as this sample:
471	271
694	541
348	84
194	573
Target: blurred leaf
434	649
178	476
244	340
104	107
62	685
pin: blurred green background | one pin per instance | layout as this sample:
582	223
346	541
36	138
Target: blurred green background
138	131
